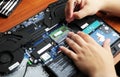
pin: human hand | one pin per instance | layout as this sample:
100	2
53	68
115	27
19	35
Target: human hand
89	56
84	8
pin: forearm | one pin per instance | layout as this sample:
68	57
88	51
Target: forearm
112	7
104	75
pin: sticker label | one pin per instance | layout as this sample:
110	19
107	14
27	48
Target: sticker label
14	66
44	48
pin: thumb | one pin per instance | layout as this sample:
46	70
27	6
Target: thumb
106	45
82	13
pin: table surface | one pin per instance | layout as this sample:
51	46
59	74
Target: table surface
28	8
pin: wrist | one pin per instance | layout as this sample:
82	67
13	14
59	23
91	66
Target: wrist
104	5
111	7
104	73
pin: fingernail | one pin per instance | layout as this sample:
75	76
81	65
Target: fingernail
67	38
60	48
108	40
68	20
70	34
78	32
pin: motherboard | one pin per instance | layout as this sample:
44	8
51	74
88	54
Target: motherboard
31	48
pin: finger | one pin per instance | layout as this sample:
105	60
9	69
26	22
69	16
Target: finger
68	52
82	13
77	39
86	37
76	48
69	9
106	45
70	19
82	3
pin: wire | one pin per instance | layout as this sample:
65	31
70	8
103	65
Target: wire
25	70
